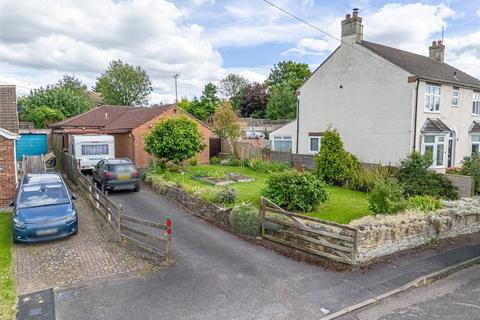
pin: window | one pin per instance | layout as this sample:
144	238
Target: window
475	144
432	98
476	103
314	144
455	97
94	149
434	146
282	143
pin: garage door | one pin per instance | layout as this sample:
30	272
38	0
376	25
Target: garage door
31	145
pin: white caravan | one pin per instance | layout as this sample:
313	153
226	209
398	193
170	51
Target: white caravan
91	148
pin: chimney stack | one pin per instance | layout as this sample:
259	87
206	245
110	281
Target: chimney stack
352	28
437	51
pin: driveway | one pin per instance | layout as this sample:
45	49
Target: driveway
219	276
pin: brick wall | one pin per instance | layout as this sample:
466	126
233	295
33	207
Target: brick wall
123	145
7	171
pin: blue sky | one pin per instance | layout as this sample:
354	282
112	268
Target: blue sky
204	40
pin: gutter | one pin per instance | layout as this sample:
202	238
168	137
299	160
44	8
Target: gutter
415	116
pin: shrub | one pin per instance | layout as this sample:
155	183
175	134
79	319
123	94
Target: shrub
215	160
175	168
424	203
200	174
244	219
471	167
157	167
333	164
232	162
267	166
295	190
387	197
225	197
366	177
417	179
193	162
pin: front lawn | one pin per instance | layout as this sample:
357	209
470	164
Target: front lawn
342	207
7	283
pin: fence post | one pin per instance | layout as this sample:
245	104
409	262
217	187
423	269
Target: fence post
168	250
119	218
262	215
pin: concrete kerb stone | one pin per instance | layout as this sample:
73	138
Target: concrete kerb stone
420	281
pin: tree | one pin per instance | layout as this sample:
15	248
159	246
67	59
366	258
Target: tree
289	72
68	95
174	139
282	103
226	125
183	103
208	103
231	85
124	84
252	100
42	116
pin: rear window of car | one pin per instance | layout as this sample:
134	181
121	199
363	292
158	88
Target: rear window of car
121	168
42	195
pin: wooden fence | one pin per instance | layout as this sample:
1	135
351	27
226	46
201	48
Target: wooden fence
322	238
33	164
152	236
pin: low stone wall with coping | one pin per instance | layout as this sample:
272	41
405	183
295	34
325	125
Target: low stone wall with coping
464	184
379	236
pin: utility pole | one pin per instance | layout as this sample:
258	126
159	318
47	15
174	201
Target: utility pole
175	76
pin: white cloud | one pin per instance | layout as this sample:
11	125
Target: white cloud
310	46
464	53
57	38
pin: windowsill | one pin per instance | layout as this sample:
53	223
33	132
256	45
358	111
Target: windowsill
475	115
433	112
455	106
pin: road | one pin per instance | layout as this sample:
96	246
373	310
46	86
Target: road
219	276
456	297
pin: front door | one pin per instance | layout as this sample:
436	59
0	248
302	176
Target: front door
451	150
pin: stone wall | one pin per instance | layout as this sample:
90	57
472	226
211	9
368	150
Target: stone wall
383	235
465	184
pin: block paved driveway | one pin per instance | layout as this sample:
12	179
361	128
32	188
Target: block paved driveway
219	276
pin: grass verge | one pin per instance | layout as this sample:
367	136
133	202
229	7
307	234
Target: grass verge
7	283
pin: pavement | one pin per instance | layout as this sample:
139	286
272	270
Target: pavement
219	276
455	297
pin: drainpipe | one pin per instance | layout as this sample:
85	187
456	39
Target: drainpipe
298	123
415	116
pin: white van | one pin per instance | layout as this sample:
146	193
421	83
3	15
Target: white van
91	148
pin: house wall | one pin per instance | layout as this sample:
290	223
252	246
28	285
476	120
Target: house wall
8	181
457	118
368	99
290	129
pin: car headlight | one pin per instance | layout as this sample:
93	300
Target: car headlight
72	217
19	224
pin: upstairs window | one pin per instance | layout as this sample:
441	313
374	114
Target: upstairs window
432	98
476	103
456	97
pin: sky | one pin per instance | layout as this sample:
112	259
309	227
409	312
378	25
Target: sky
204	40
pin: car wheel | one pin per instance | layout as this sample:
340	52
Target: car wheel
137	188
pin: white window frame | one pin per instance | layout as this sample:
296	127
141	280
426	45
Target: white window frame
282	139
474	142
456	97
476	103
432	98
318	144
438	140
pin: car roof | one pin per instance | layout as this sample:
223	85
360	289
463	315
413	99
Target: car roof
118	161
41	178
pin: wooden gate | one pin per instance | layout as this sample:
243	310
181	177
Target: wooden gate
323	238
215	146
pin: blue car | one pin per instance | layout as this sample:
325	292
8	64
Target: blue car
43	209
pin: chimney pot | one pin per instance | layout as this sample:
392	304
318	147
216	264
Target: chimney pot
434	43
355	12
439	42
352	28
348	16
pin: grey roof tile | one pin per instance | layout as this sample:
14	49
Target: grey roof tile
8	108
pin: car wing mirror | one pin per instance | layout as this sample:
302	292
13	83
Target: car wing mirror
74	197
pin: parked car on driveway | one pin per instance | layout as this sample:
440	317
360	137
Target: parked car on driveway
116	174
43	209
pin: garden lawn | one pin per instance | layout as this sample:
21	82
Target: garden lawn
7	283
342	207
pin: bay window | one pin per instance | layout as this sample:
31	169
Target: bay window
475	140
432	98
434	146
476	103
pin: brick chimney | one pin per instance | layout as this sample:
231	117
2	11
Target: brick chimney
352	28
437	51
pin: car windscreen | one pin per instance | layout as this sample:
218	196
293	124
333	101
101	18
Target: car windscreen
121	168
42	195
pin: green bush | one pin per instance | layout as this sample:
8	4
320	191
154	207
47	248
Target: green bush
267	166
417	179
215	160
333	164
387	197
200	174
193	162
366	177
295	190
225	197
244	218
232	162
208	195
471	167
158	167
424	203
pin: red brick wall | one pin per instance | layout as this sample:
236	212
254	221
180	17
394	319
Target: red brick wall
143	159
123	145
7	171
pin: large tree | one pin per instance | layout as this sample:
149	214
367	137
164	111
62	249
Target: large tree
252	100
68	95
41	116
282	103
124	84
226	125
231	85
288	72
174	139
203	107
